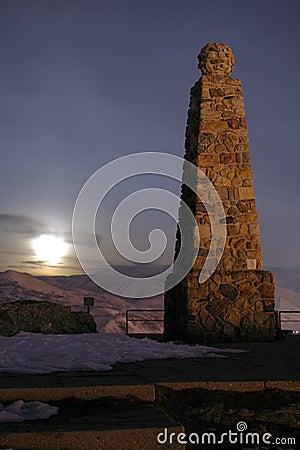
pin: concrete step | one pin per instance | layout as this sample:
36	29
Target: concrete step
131	427
87	385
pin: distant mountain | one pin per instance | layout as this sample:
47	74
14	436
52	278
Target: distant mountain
23	286
109	310
287	278
287	294
71	282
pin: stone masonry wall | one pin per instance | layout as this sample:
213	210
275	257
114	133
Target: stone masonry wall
229	306
217	142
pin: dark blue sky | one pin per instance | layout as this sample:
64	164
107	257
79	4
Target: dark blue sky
84	82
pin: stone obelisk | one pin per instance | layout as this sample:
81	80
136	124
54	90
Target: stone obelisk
237	302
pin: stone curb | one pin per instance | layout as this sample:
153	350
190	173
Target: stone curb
145	392
131	439
284	385
136	429
235	386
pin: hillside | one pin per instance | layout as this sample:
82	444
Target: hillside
109	310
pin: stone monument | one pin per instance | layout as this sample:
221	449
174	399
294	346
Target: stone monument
237	302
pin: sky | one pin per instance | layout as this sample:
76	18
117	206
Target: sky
84	82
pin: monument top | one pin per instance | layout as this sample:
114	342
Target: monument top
216	59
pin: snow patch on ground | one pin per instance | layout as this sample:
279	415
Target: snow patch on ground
19	411
40	353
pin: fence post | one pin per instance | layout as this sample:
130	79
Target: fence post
126	322
279	320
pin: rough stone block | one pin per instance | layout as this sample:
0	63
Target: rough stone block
251	263
43	317
208	160
246	193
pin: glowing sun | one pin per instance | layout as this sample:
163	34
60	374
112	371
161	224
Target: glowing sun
50	249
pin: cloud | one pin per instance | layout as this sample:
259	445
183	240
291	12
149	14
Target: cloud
13	223
61	265
34	263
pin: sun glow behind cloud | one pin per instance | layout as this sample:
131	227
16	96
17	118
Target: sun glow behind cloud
50	249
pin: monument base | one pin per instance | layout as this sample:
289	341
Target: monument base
231	306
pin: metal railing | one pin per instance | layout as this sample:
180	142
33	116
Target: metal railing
137	311
280	321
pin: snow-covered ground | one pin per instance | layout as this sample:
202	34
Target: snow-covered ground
19	411
39	353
